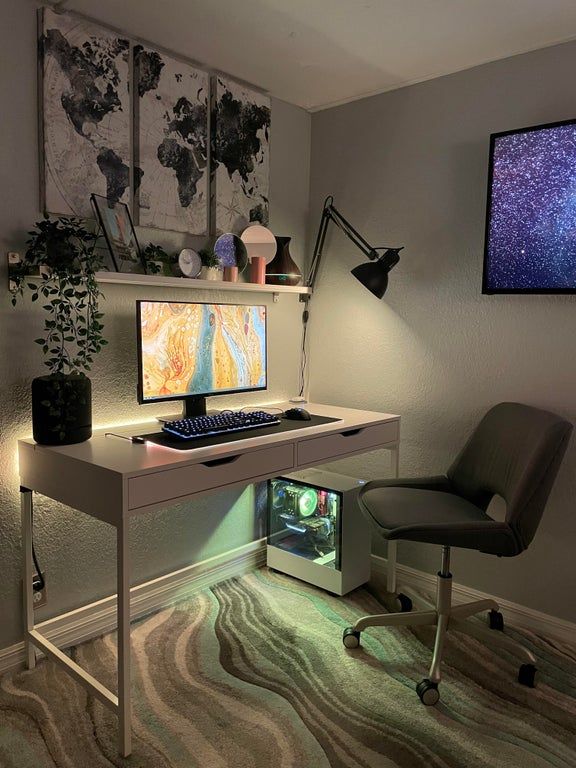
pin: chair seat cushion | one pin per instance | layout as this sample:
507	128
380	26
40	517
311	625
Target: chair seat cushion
393	507
436	517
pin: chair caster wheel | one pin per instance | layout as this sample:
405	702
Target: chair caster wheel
351	638
428	692
405	602
527	675
496	620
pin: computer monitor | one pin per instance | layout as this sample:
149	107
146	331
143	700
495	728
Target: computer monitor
189	351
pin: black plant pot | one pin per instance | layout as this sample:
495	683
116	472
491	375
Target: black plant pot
61	409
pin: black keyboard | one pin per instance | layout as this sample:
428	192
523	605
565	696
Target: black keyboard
219	424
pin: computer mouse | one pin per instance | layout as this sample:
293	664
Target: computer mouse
297	414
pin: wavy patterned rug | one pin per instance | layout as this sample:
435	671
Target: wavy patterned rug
253	674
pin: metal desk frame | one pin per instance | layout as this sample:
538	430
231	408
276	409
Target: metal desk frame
114	480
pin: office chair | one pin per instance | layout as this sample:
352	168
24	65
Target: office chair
515	452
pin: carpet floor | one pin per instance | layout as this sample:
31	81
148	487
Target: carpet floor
252	674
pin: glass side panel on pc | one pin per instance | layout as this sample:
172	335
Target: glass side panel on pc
188	351
304	520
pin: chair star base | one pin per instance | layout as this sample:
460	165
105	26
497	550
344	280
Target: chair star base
445	616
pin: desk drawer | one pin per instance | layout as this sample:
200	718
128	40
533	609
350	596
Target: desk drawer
319	449
173	484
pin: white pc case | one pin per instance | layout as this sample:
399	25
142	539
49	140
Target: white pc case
316	532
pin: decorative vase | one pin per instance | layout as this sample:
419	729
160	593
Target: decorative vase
61	409
258	270
231	274
210	273
282	270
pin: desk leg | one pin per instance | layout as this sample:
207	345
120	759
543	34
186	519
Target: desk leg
393	545
123	610
395	461
27	574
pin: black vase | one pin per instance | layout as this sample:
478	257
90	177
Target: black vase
61	409
283	270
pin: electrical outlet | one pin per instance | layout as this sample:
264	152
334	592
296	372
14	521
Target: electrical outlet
40	597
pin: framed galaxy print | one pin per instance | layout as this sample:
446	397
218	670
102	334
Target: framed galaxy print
530	244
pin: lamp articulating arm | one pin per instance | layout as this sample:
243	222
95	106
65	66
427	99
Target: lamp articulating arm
373	276
385	262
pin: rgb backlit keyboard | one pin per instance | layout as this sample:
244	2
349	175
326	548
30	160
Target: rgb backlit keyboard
219	424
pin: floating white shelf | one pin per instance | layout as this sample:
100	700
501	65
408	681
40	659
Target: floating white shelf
127	278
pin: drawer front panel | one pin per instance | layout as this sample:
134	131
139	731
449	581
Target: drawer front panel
319	449
173	484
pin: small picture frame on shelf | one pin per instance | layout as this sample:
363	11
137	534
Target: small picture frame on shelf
116	224
107	260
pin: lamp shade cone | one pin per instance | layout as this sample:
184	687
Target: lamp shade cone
373	276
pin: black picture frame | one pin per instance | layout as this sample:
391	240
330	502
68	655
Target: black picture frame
117	226
107	260
486	289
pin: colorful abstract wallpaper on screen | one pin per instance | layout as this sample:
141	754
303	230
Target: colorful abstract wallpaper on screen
201	348
531	239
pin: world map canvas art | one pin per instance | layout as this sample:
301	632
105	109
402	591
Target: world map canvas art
171	174
240	156
85	116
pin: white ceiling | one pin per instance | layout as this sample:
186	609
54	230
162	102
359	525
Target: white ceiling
317	53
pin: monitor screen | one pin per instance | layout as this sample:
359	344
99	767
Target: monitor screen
530	242
187	350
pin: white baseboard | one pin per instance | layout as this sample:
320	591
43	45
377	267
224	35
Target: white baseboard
100	617
514	614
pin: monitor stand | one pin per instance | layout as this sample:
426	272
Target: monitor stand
191	407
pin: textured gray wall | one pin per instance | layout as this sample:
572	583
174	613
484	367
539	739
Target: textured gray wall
410	167
77	552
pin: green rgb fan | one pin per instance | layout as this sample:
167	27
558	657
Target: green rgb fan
307	502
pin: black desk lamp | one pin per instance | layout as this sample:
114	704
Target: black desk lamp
373	275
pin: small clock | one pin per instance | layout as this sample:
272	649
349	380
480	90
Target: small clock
189	262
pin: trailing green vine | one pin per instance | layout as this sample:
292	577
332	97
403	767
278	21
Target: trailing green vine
63	250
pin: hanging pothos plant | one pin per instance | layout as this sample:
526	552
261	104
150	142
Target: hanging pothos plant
63	250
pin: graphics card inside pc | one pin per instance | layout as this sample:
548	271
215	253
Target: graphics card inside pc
305	521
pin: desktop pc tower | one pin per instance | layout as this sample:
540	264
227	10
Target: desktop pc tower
316	532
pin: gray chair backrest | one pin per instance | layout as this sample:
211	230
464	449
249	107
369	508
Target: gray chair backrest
515	452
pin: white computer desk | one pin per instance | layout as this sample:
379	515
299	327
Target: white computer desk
113	480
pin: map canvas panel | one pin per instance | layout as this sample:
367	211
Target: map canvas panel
240	156
86	114
172	144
